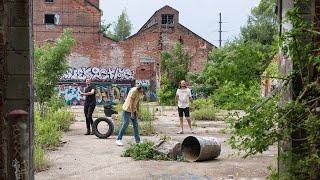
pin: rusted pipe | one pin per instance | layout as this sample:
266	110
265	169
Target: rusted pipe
196	148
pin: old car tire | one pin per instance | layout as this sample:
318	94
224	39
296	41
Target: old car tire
95	129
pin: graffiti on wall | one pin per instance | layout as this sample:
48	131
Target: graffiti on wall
140	81
98	74
104	92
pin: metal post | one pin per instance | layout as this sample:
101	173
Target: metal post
220	30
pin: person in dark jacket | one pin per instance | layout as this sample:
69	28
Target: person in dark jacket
89	104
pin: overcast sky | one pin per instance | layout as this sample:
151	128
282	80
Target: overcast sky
200	16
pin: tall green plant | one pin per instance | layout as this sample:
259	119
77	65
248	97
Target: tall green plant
175	68
50	65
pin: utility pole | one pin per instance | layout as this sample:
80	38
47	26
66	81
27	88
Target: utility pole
220	30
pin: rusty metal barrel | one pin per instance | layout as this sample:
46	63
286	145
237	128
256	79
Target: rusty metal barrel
195	148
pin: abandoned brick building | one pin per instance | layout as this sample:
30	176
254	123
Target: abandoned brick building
137	57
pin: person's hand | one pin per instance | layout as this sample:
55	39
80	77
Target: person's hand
81	93
132	115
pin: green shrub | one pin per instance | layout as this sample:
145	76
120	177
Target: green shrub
141	151
41	160
144	114
205	114
231	96
56	102
63	117
201	103
47	134
145	151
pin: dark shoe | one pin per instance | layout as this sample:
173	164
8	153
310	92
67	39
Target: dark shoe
88	133
91	133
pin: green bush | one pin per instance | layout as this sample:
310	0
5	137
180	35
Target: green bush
208	113
141	151
63	117
56	103
145	151
47	134
41	160
144	114
201	103
231	96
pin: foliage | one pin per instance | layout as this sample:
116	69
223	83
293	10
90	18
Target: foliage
208	113
166	92
201	103
145	151
232	96
41	161
50	65
295	122
56	102
122	28
48	133
261	26
233	72
141	151
175	68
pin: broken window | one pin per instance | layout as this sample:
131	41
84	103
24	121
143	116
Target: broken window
51	19
48	1
167	19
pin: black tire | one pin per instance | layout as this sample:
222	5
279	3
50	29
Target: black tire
96	131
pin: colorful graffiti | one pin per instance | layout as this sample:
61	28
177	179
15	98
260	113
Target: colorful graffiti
104	93
98	74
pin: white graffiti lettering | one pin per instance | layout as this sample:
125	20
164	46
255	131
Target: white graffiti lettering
99	74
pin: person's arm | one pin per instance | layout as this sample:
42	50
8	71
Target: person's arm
190	95
89	93
177	96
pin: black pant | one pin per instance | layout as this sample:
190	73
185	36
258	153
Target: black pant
88	110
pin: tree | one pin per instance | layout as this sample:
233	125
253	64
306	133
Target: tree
50	65
175	68
123	27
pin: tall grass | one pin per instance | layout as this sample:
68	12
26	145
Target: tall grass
48	133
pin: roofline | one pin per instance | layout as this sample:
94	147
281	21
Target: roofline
155	14
197	35
93	5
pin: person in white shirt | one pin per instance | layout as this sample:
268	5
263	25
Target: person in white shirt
183	96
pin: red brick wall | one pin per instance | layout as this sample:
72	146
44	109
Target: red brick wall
103	52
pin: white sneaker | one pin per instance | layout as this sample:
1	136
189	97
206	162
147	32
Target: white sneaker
119	143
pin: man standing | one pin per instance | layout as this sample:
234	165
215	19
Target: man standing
130	109
89	104
183	96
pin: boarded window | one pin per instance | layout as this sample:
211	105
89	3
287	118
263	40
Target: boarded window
167	19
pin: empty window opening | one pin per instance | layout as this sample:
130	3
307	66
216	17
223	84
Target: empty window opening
167	19
51	19
48	1
143	69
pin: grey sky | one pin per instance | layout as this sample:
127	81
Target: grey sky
200	16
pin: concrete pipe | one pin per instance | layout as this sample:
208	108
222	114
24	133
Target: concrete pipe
200	148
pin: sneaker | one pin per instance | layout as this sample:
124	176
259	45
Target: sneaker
88	133
180	132
119	143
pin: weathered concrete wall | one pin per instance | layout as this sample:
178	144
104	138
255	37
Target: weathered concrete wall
16	160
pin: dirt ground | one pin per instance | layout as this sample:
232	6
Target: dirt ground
90	158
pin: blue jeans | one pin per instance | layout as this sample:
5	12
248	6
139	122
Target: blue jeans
125	122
